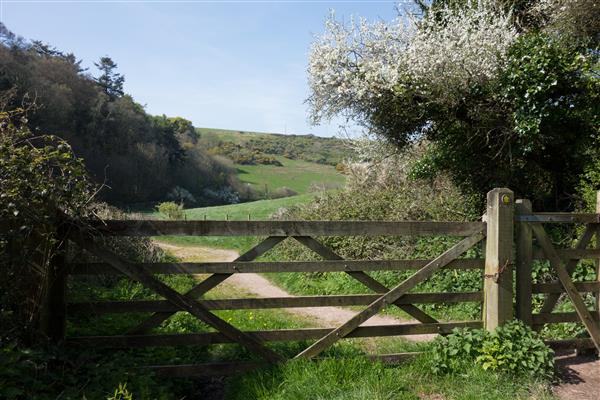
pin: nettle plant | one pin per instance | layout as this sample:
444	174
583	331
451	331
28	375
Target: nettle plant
512	348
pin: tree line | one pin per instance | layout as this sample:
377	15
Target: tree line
140	158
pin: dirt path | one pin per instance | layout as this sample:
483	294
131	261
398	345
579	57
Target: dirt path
580	377
259	286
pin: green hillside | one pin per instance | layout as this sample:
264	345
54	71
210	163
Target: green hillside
275	165
298	175
311	148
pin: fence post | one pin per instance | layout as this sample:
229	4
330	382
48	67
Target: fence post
523	263
54	307
497	285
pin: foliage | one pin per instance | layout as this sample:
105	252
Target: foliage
512	348
39	175
171	210
110	80
501	104
55	372
121	393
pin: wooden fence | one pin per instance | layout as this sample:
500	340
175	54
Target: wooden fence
497	271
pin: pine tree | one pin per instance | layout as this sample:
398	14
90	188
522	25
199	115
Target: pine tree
110	80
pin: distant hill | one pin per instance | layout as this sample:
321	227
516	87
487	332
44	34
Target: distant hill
276	165
311	148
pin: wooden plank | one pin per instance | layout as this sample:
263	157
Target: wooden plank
524	263
111	307
278	335
391	296
498	282
553	298
207	284
556	318
560	217
555	261
284	228
569	254
267	267
569	344
556	287
362	277
186	303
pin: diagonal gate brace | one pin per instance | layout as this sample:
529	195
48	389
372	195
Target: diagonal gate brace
209	283
364	278
391	296
583	242
556	262
184	302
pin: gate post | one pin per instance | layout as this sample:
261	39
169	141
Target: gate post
497	284
54	306
523	263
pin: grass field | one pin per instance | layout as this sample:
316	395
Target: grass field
297	175
256	210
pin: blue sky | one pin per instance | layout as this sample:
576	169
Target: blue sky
221	64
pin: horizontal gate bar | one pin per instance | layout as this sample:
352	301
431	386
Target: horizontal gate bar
266	267
569	254
285	228
557	318
110	307
557	287
273	335
567	344
560	217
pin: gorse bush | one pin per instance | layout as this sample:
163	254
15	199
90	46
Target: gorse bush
512	348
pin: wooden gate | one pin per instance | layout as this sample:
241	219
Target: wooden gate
497	294
274	232
533	243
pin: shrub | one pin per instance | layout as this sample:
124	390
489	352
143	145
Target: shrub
39	175
512	348
171	210
283	192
